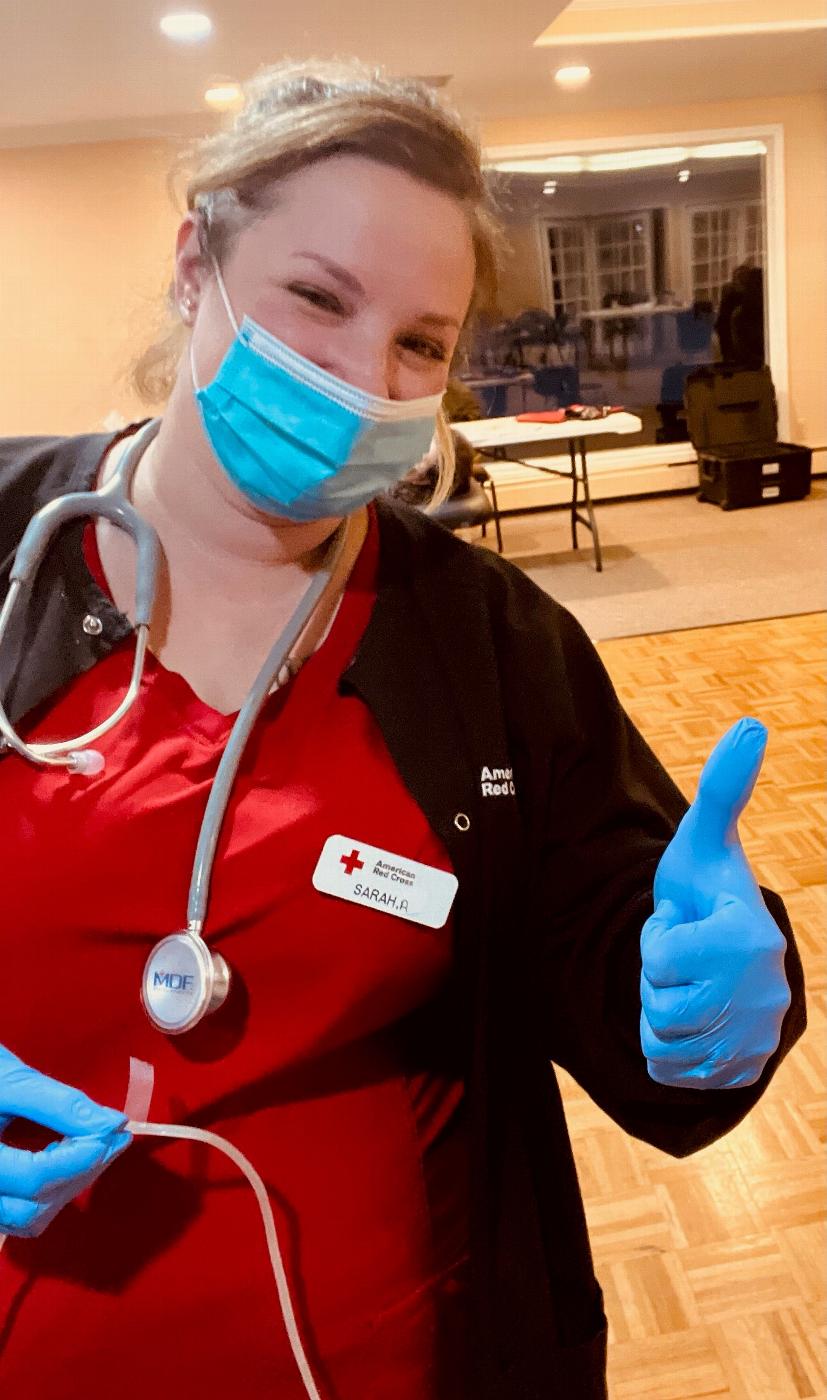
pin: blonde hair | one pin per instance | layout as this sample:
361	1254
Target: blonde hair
293	115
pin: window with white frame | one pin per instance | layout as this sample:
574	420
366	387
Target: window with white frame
592	259
569	268
754	234
721	236
623	256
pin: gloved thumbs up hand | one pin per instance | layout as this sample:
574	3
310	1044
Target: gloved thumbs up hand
713	989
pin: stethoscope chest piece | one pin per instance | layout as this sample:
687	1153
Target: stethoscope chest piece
183	981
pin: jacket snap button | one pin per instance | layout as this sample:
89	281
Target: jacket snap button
462	822
92	626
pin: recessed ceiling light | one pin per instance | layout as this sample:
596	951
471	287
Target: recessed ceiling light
575	76
187	26
223	96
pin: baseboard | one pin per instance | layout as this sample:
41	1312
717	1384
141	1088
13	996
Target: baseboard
614	474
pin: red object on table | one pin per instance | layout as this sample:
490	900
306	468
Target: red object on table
558	415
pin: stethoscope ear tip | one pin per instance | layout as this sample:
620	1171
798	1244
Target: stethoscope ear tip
86	761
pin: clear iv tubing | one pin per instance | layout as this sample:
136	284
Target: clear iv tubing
172	1130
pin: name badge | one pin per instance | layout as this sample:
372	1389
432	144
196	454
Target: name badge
350	869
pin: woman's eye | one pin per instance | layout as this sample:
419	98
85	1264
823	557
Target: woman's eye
318	298
428	348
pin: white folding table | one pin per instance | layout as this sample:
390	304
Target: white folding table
497	437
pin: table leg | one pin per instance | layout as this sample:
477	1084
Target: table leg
575	445
573	456
598	558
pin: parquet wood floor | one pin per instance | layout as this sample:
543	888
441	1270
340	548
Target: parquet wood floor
713	1266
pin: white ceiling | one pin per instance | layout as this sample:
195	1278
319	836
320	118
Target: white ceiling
77	70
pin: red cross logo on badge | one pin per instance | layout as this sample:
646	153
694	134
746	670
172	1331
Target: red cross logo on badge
352	862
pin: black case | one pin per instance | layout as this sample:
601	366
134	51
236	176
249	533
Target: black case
732	416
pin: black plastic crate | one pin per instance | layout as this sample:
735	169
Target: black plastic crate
736	479
732	416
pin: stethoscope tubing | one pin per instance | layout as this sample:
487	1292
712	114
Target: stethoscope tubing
111	501
231	758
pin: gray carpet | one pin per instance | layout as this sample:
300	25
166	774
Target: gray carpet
671	562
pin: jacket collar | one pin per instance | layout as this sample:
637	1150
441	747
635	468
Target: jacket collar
75	462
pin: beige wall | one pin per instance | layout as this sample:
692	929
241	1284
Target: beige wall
86	245
87	235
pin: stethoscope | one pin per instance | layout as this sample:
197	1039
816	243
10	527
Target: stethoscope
182	980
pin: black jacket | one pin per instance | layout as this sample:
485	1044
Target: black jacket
467	665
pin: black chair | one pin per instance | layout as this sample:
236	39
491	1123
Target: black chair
558	382
569	335
473	506
534	329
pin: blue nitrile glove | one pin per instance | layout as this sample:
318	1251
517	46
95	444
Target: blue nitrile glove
34	1186
713	989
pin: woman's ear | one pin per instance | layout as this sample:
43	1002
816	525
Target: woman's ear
189	268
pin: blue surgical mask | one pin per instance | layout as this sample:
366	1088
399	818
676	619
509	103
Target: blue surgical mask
299	442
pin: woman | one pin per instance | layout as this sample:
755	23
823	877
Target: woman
440	726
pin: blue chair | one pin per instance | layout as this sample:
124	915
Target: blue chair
494	399
670	409
695	328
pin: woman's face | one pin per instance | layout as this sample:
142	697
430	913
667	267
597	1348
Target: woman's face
361	268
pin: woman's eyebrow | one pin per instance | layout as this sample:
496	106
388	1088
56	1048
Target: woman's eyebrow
438	320
347	279
340	273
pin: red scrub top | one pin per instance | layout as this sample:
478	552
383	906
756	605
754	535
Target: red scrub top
157	1280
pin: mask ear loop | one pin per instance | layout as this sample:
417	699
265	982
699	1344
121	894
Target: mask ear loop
195	383
233	322
223	290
